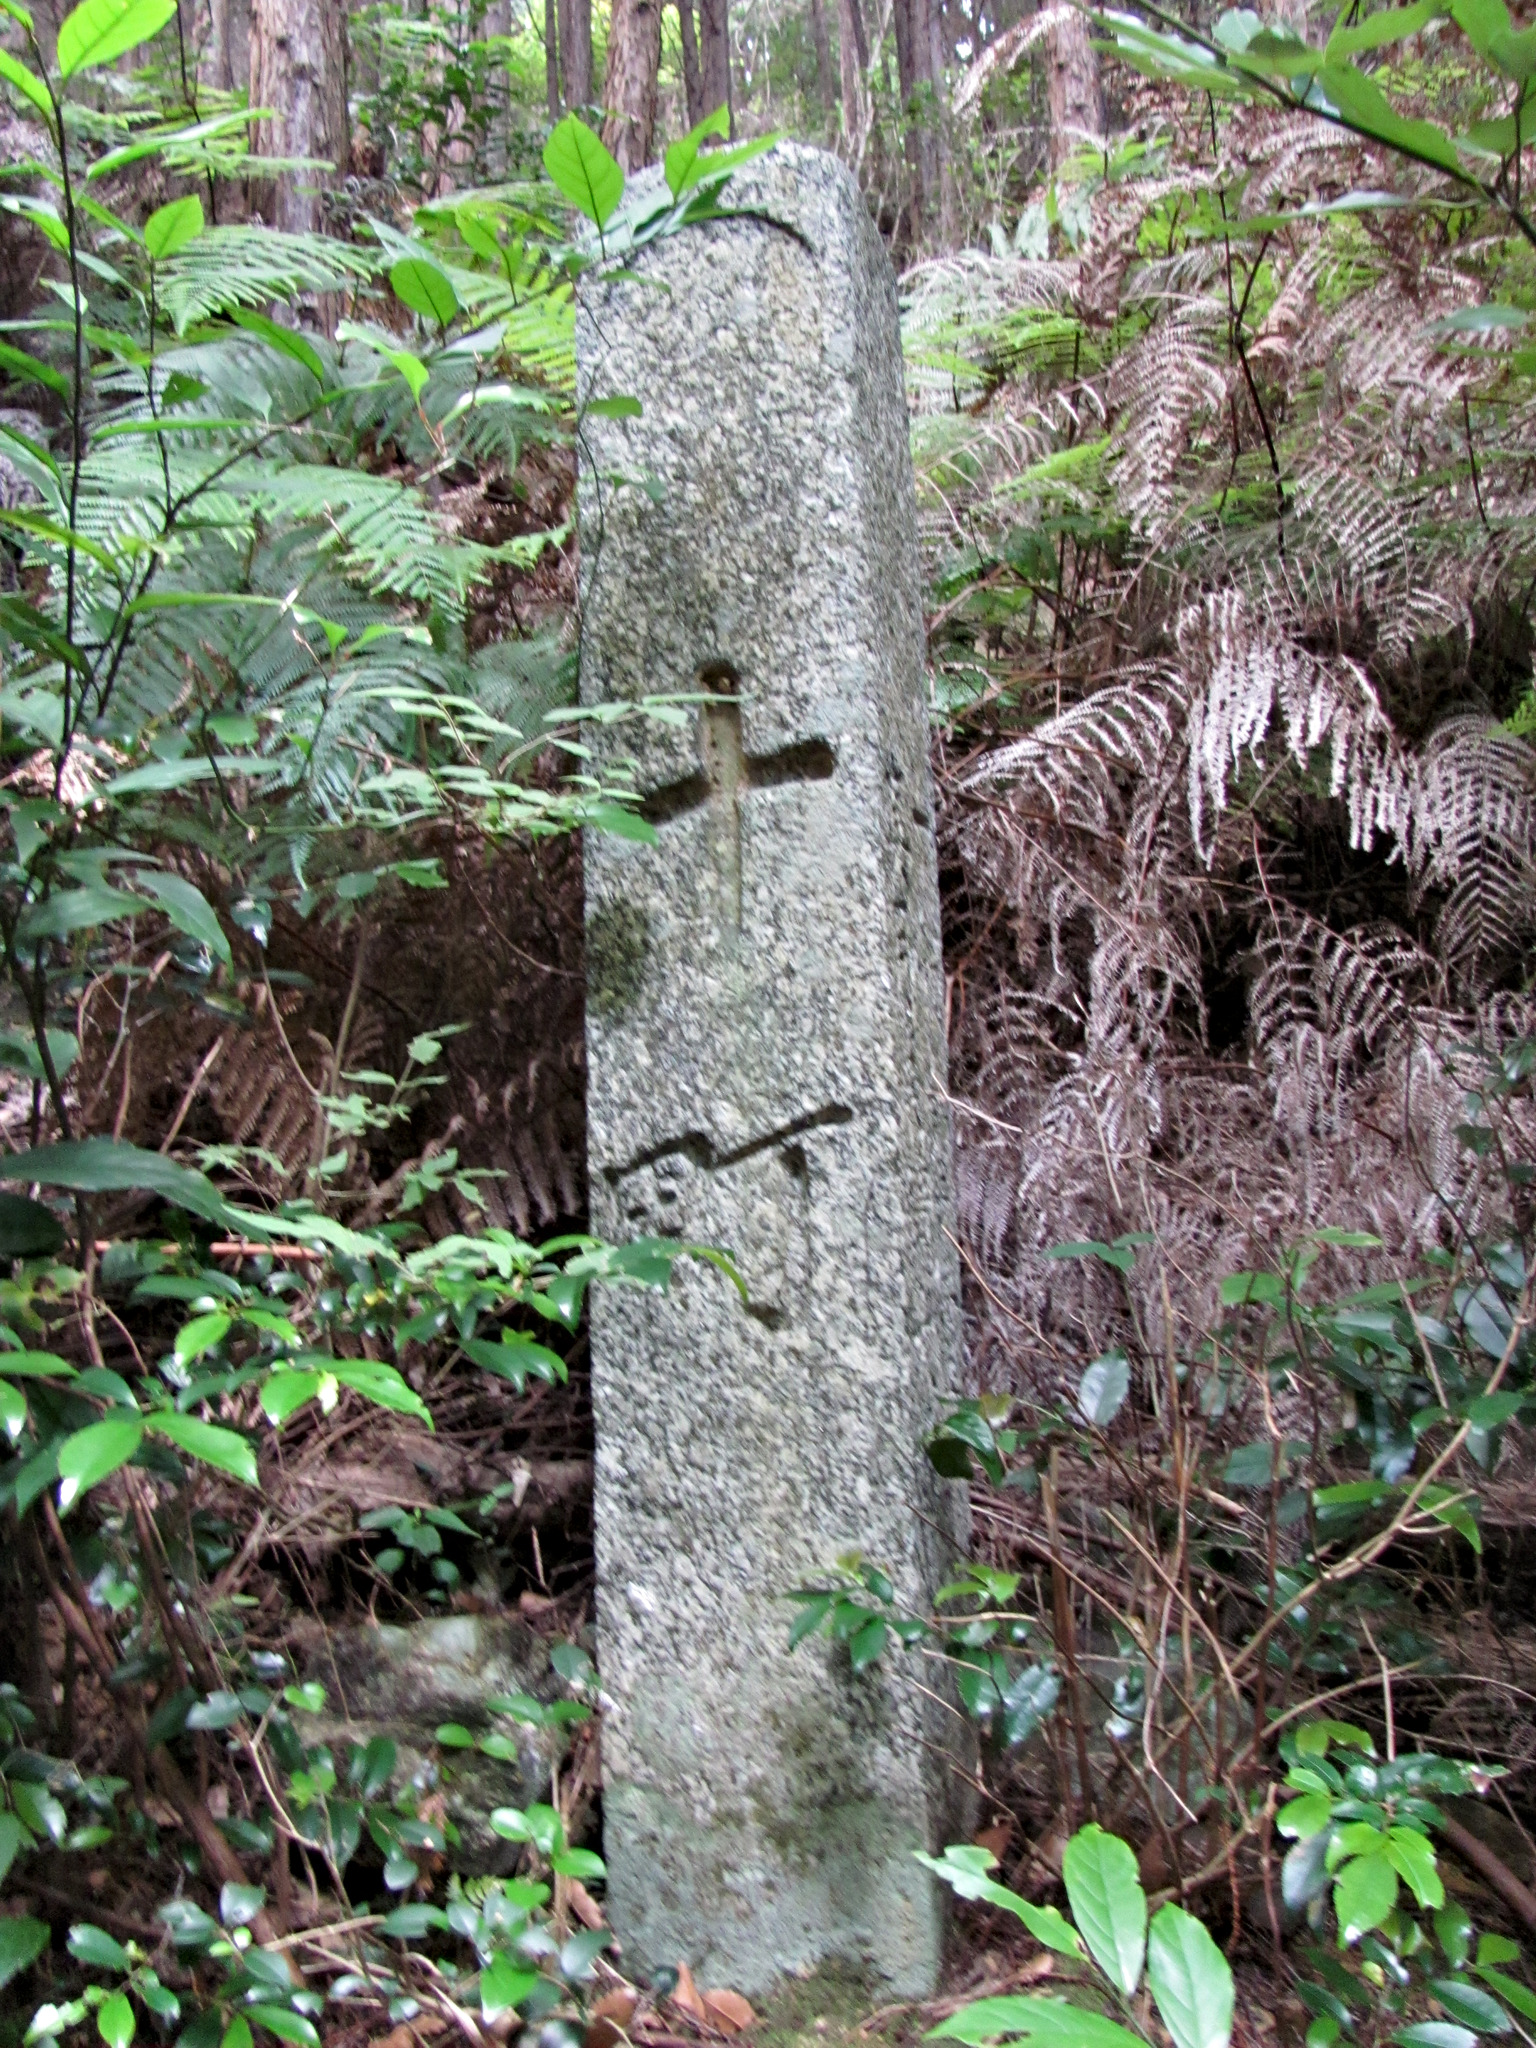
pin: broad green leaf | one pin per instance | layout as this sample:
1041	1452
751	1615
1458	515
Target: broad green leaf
1102	1391
171	227
284	339
13	1410
107	1166
1390	26
286	1391
1367	109
425	289
1435	2034
583	170
21	1943
1412	1856
99	30
964	1868
28	370
187	908
76	910
27	1231
94	1453
240	1903
14	72
1190	1979
682	156
224	1449
1510	1989
619	408
1471	2006
1364	1893
1049	2021
37	1806
286	2024
94	1947
115	2021
10	1842
1108	1903
503	1986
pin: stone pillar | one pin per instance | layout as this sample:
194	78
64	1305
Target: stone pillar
766	1063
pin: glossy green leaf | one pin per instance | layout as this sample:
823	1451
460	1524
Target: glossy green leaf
225	1449
187	908
286	2024
503	1987
94	1453
286	340
583	171
964	1867
1471	2006
1190	1979
1050	2022
21	1943
99	30
1364	1893
1102	1392
681	159
94	1947
171	227
13	1410
115	2022
26	82
27	1231
425	289
106	1166
1108	1903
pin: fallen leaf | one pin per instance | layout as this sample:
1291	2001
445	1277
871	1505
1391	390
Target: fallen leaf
996	1838
618	2006
602	2034
408	2034
590	1914
729	2011
1037	1967
687	1995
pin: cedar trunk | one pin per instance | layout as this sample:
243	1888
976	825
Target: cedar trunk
552	59
299	72
826	84
629	91
853	62
575	25
693	82
1072	84
715	56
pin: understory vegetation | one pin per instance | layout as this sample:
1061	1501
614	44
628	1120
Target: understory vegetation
1224	427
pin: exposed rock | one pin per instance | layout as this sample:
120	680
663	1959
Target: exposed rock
407	1682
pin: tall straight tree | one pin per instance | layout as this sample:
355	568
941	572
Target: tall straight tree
853	63
575	27
299	71
826	85
551	58
693	78
629	90
715	56
1073	95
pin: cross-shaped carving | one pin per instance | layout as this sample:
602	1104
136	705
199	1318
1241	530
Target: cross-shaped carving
725	770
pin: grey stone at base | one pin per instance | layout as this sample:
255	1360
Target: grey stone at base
405	1682
765	1072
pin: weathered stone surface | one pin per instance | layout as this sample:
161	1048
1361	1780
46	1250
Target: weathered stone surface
765	1063
406	1682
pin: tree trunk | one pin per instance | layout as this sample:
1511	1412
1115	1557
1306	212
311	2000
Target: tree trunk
853	63
299	71
693	81
575	25
629	91
1072	85
715	57
826	85
551	57
227	58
